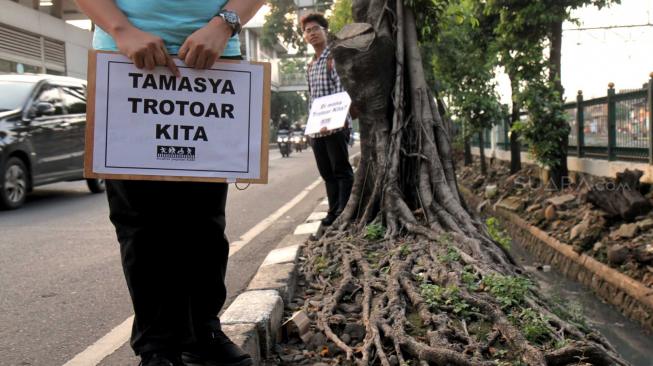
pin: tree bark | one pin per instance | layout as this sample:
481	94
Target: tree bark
560	172
481	147
515	146
468	151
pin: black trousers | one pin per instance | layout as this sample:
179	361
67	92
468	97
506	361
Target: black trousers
332	157
174	255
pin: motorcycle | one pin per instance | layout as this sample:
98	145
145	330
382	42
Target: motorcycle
284	142
299	141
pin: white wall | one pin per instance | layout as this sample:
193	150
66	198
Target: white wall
77	40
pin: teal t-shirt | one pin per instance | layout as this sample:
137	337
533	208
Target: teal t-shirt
172	20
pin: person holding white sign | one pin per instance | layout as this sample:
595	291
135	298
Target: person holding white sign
329	146
171	234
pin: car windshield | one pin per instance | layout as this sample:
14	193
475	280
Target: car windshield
13	94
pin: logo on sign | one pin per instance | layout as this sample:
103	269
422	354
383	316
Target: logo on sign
175	153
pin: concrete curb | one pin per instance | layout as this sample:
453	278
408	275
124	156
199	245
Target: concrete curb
253	320
633	298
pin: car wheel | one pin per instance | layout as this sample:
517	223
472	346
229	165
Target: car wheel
96	185
14	184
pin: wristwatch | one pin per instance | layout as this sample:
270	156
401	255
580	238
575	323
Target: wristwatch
232	19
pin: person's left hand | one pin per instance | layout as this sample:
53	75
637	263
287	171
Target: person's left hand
205	45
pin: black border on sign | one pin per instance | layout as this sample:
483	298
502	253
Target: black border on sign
249	126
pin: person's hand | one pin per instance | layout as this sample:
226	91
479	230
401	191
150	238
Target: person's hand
144	49
205	45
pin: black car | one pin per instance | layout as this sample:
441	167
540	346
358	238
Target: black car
42	123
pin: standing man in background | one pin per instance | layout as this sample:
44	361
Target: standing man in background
175	271
329	147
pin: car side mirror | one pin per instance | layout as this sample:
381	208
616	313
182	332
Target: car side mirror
44	109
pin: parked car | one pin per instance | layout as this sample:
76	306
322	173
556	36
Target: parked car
42	123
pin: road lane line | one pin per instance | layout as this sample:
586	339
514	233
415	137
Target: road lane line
263	225
108	344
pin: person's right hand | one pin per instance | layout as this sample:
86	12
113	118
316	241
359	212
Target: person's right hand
144	49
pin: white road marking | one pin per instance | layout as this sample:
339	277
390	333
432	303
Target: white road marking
119	335
107	345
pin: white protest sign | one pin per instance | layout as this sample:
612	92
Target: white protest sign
208	125
329	111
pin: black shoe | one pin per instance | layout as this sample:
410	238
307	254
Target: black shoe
327	221
218	351
161	359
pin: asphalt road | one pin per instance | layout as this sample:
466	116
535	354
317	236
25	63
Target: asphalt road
61	283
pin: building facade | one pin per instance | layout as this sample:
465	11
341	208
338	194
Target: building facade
35	38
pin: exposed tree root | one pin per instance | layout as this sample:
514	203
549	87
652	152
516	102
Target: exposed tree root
433	288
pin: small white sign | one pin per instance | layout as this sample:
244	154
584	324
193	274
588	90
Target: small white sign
329	111
204	124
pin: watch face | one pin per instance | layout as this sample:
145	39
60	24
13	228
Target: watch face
231	17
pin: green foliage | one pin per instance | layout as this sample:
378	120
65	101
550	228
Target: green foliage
463	60
445	238
320	263
546	130
497	233
508	290
451	256
533	325
469	278
374	231
404	250
293	104
281	23
340	15
524	33
438	297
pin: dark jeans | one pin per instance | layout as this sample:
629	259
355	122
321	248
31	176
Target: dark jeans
332	157
174	255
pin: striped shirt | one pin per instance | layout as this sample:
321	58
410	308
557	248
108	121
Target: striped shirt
322	81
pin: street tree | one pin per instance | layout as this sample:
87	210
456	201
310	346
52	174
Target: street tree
282	23
431	282
464	59
526	31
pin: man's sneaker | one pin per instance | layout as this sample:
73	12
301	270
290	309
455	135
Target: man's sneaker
161	359
218	351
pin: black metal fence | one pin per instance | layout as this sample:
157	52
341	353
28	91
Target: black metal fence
614	127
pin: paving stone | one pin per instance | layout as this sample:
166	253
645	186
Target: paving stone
263	308
309	228
316	216
279	277
281	255
292	240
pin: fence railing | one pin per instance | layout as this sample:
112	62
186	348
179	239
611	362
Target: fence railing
614	127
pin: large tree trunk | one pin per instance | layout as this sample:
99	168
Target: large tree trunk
560	172
406	182
515	148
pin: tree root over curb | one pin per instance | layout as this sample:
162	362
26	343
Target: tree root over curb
464	321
